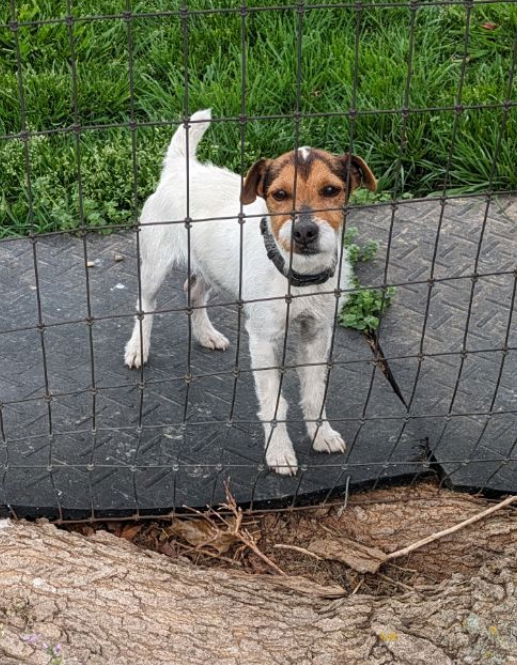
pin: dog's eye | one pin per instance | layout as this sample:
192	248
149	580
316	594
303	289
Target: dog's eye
330	190
280	195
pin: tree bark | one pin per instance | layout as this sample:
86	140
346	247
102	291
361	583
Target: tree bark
106	602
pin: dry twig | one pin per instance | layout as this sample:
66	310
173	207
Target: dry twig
445	532
302	550
243	534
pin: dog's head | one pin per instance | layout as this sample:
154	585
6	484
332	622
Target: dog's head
310	186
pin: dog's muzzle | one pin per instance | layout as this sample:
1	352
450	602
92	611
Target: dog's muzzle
274	255
305	236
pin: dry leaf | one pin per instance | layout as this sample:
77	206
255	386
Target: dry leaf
130	531
489	25
200	533
361	558
115	528
258	567
167	549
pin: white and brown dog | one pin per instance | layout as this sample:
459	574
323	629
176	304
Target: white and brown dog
273	254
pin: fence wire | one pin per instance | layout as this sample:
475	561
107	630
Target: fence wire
432	449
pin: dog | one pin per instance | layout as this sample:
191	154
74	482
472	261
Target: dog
254	220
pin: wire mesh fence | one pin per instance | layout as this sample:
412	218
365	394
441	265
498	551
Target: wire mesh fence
426	385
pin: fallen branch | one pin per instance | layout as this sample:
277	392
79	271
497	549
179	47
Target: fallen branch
54	586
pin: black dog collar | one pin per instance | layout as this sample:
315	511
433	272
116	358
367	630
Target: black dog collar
295	278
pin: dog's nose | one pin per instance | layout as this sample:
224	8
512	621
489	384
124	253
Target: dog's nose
305	232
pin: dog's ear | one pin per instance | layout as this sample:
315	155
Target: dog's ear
254	182
360	173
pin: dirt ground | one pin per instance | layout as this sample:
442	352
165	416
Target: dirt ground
387	519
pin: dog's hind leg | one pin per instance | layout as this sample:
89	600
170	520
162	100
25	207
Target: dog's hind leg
202	327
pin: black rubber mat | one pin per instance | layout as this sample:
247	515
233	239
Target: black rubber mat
82	435
451	335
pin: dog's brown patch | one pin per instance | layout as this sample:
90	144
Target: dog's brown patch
302	178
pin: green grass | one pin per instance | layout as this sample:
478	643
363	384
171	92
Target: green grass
214	69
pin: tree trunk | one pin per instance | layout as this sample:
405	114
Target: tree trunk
104	601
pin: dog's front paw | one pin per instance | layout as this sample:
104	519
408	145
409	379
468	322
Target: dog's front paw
327	440
134	354
213	339
281	458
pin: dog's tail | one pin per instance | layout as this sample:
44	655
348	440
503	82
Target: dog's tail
185	143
